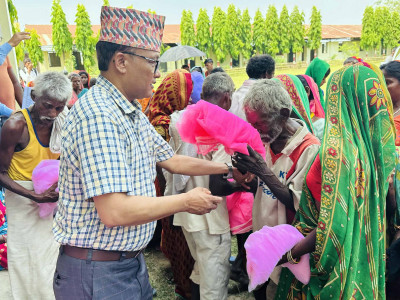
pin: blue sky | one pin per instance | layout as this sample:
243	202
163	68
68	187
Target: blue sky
339	12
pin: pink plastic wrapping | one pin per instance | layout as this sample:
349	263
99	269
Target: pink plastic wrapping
265	248
43	177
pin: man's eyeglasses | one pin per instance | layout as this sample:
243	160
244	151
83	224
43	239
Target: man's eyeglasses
154	62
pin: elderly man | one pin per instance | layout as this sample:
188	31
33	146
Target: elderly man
25	139
208	236
109	155
258	67
291	148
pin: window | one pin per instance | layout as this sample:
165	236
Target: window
323	48
54	60
340	46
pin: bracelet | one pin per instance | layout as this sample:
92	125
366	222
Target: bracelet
228	175
290	258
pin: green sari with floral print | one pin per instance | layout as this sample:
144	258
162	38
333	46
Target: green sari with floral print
357	157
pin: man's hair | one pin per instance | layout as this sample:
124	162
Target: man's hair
267	97
208	60
216	85
184	66
93	81
72	75
216	70
392	69
105	51
52	84
26	59
350	60
259	65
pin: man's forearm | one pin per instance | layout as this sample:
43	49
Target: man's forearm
180	164
11	185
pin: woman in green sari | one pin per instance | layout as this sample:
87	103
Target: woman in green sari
319	70
344	220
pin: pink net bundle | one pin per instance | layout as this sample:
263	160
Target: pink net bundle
44	176
240	206
207	126
265	248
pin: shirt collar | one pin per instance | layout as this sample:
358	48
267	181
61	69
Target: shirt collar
126	106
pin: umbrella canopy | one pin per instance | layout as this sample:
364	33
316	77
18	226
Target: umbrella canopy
180	52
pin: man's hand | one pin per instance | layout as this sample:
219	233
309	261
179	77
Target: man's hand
50	195
18	38
242	179
253	163
200	201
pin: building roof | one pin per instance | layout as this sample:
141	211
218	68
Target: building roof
172	33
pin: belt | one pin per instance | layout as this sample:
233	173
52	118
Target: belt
98	255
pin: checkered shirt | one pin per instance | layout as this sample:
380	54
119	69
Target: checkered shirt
108	146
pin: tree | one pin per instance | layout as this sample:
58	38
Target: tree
385	27
84	40
219	35
33	46
12	11
315	30
188	36
245	34
393	5
203	36
350	48
285	31
259	32
106	3
272	31
369	37
62	39
298	32
234	43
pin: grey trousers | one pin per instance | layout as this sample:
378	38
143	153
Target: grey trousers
85	279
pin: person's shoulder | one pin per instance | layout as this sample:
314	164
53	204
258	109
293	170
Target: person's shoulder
15	124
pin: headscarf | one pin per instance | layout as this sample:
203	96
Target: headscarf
317	70
198	80
195	68
315	103
172	95
357	158
299	98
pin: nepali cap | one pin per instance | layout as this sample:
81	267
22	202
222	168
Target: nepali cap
131	27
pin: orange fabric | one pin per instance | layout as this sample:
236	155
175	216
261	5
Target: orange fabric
397	125
144	102
7	95
172	95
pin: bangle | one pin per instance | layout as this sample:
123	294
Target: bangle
290	258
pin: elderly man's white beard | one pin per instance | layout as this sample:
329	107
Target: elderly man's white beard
269	139
43	118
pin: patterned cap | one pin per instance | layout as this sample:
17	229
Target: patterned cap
131	27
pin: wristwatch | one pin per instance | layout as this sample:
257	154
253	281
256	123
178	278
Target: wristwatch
228	175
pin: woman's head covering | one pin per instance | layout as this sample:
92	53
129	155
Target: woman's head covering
198	80
357	158
297	93
197	69
315	104
172	95
317	71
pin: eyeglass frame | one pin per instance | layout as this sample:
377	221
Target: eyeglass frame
150	60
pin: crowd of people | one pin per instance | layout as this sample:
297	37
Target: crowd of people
331	169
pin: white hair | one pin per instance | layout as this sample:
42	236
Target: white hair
268	97
215	85
52	84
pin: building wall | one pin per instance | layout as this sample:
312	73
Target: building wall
6	31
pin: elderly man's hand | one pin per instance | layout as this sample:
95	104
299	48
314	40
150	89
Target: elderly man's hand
253	163
242	179
200	201
50	195
18	38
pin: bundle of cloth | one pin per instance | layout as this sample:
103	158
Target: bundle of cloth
208	126
43	177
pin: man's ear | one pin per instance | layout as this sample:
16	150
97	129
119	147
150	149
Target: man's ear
285	112
33	96
119	62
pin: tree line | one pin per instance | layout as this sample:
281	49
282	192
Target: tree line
233	32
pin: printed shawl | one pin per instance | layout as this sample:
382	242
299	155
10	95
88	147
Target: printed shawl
317	70
172	95
357	157
297	93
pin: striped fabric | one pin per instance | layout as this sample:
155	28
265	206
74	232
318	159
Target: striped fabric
108	146
131	27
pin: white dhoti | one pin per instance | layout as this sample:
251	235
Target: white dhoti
32	250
